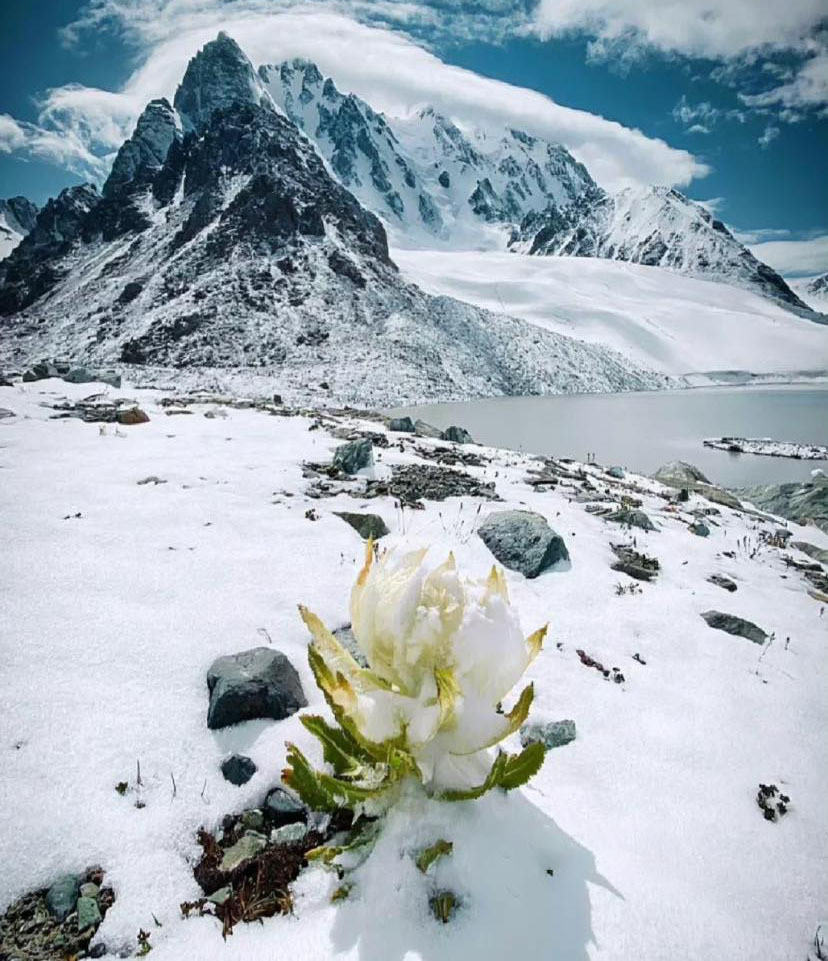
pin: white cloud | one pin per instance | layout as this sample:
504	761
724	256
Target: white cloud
58	146
795	258
382	65
760	235
769	134
12	137
809	88
713	205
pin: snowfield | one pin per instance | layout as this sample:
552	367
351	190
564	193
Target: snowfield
656	318
117	596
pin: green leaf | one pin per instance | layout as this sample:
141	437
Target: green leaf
520	767
429	855
340	750
511	721
471	794
305	781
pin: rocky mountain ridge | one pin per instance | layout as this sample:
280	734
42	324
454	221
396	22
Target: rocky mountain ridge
17	217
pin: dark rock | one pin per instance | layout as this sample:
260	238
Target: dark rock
283	808
422	429
62	896
354	456
259	683
633	563
818	553
679	473
735	625
699	528
458	435
410	483
721	581
632	518
238	769
131	416
523	541
403	425
551	734
41	371
80	375
366	525
616	472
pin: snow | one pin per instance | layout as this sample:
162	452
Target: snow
769	447
648	819
663	321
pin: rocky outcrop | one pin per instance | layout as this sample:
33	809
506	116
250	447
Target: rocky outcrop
523	541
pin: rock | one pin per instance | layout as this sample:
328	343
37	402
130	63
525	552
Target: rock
288	833
679	473
721	581
5	413
284	808
818	553
354	456
62	896
252	684
345	636
89	914
219	897
458	435
551	734
632	518
98	950
131	416
699	528
805	503
253	820
80	375
366	525
89	890
422	429
403	425
248	846
616	472
735	625
410	483
633	563
238	769
523	541
41	371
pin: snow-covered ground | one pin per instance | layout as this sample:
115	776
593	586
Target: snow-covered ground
116	597
769	447
659	319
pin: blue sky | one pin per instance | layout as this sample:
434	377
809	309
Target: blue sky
733	109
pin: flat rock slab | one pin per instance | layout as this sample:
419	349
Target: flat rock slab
259	683
724	582
366	525
523	541
735	625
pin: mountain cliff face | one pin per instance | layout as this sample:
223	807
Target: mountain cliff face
429	181
221	240
17	217
656	226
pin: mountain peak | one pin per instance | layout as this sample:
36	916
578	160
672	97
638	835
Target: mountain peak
143	155
219	75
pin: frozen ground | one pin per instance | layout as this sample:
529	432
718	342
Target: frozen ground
659	319
110	619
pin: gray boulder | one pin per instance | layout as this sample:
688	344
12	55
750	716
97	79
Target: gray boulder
818	553
699	528
252	684
523	541
458	435
632	518
403	425
551	734
735	625
238	769
805	503
422	429
62	896
80	375
616	472
679	473
354	455
366	525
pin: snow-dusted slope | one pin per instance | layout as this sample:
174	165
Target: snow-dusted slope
656	226
431	180
676	324
813	291
240	251
17	217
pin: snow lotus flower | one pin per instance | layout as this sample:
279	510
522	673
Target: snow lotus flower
442	653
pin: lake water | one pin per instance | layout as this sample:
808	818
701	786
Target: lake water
642	431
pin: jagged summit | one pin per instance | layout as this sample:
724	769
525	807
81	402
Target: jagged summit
219	75
17	217
656	226
142	156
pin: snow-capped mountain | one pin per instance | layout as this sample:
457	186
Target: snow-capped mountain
17	217
814	291
429	179
221	240
656	226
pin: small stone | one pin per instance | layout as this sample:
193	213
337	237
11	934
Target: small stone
62	896
700	529
403	425
735	625
354	456
220	896
254	819
366	525
98	950
5	413
523	541
288	833
238	769
551	734
248	846
89	890
132	416
259	683
89	914
721	581
616	472
283	808
458	435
